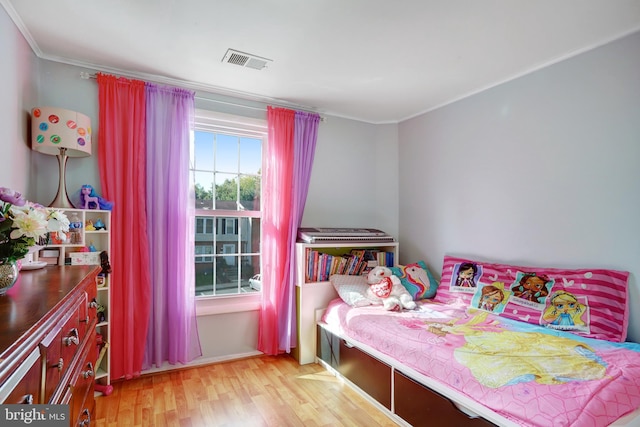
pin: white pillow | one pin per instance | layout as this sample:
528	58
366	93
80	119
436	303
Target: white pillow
352	289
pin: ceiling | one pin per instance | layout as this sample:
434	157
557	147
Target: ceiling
377	61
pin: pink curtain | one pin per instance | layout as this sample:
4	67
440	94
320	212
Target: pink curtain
173	333
278	172
121	160
289	157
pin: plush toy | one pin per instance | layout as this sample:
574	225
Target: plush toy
386	289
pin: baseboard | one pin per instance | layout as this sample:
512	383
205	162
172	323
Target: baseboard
166	366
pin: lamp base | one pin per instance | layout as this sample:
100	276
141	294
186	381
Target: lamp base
62	200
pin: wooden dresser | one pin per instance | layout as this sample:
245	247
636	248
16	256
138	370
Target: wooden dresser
47	340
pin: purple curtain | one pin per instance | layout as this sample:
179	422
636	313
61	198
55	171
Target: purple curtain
173	333
304	147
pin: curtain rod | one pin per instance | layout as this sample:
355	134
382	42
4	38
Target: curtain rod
88	76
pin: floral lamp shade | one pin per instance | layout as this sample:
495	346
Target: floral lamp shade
62	133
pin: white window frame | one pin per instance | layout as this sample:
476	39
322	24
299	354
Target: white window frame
242	126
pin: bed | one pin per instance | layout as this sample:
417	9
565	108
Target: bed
463	359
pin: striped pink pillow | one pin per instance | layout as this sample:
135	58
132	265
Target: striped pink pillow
587	302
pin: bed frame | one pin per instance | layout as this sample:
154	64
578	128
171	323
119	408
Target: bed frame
398	391
405	395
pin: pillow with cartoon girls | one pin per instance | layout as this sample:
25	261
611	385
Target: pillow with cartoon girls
588	302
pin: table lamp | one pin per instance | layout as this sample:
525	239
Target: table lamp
61	133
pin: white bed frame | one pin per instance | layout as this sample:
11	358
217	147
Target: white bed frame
464	404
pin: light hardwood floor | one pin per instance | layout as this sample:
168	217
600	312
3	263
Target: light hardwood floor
254	392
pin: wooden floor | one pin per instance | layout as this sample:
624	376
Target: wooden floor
261	391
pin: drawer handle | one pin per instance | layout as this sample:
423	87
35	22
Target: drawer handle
89	372
59	365
93	303
27	399
87	420
85	320
71	338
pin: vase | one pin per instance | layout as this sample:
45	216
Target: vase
8	275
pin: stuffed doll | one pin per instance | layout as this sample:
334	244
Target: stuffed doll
386	289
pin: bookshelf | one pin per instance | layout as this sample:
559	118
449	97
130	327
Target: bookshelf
90	230
315	262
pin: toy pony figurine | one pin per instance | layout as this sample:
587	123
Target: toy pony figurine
90	200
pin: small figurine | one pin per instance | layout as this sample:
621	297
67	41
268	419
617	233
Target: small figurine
100	313
74	222
104	263
100	280
75	226
88	199
56	238
89	226
99	225
92	248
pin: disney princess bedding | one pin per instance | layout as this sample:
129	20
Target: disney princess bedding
547	360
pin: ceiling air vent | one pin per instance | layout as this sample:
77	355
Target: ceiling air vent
245	59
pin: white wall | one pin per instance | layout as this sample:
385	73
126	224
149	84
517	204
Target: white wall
354	180
19	88
542	171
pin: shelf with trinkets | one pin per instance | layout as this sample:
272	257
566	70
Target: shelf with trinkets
88	242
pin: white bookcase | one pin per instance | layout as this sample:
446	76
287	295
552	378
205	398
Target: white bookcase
72	250
313	297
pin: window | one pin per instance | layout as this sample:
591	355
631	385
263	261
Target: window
204	225
226	171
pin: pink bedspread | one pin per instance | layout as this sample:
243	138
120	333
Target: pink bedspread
529	374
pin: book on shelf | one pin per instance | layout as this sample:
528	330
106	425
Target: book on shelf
50	253
49	260
321	266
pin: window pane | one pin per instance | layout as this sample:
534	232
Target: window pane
227	235
204	276
226	191
204	233
250	235
250	156
226	153
250	266
203	182
227	274
249	193
251	277
203	150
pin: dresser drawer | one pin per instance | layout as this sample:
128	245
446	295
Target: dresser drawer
58	349
23	386
81	387
87	314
